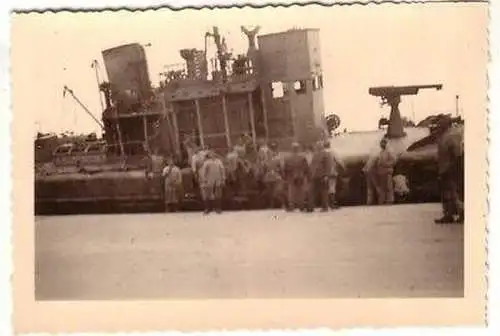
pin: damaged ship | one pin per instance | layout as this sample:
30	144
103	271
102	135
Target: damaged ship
273	92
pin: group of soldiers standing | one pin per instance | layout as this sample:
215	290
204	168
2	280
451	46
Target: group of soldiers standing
306	177
292	181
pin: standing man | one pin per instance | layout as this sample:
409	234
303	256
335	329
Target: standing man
247	142
321	167
238	169
212	181
263	160
173	185
232	167
264	153
384	170
241	145
264	156
450	156
197	161
372	187
272	180
336	165
297	176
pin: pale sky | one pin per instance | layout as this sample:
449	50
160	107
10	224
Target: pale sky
362	46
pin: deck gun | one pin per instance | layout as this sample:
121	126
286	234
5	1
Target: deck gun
391	95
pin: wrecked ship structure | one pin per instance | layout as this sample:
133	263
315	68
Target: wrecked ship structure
272	92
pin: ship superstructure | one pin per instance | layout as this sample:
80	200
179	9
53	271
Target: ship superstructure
132	108
273	92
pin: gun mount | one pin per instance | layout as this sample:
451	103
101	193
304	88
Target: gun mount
391	95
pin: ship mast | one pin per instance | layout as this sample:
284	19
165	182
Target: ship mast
222	54
95	66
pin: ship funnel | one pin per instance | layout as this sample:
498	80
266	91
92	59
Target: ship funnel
127	70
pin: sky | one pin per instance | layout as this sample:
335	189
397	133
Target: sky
361	46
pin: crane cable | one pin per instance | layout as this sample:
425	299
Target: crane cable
67	113
68	90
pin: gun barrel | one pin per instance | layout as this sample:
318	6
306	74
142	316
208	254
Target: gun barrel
401	90
431	86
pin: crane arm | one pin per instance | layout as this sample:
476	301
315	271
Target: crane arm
68	90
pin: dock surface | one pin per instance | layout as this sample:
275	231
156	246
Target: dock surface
379	252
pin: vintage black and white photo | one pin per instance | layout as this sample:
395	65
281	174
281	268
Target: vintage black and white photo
309	152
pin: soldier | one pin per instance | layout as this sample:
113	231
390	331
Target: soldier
212	181
173	185
297	176
197	160
247	142
384	170
321	167
372	187
272	180
450	156
242	144
336	165
263	159
265	153
232	159
238	170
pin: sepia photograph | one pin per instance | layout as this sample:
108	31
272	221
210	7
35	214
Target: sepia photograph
311	152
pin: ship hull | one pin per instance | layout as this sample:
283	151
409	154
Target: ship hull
135	191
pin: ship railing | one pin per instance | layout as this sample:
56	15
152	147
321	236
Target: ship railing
243	75
177	76
152	106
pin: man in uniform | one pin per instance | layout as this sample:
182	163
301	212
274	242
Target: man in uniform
384	169
372	187
212	181
297	175
272	180
237	171
172	185
336	165
265	153
198	158
232	167
321	167
450	156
